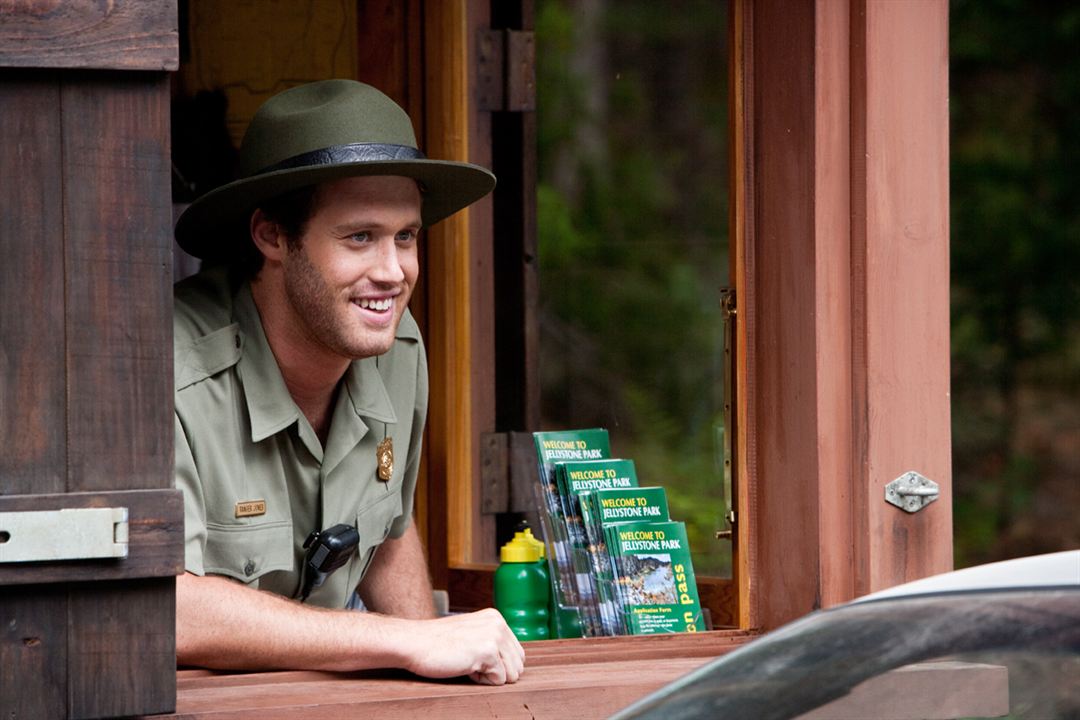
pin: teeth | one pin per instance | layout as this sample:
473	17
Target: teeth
377	305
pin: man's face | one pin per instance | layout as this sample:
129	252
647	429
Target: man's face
349	280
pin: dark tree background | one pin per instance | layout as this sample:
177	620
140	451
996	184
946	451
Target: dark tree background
1015	104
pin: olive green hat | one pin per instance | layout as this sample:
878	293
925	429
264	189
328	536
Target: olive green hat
316	133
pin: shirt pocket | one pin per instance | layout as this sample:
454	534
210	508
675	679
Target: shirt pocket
247	552
373	526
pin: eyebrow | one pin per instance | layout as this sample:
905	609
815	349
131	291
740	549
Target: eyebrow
354	225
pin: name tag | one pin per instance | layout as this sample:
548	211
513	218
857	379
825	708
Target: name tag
250	508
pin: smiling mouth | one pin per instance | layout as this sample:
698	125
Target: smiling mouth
380	305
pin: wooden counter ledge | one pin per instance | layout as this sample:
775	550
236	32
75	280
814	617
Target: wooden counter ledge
563	678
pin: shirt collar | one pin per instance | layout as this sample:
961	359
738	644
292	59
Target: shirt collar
270	407
363	395
367	391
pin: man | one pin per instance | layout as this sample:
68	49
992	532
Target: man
301	395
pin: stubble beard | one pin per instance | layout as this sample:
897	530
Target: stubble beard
325	317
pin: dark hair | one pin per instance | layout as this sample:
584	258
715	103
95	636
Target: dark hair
291	212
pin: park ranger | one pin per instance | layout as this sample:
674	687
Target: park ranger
301	396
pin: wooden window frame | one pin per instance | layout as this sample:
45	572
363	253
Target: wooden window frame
821	115
460	330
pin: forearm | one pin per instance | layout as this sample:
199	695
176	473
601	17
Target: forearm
397	583
222	624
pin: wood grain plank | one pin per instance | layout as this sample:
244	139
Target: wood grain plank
250	50
118	263
741	232
846	313
651	648
481	271
155	537
33	652
720	596
538	654
832	301
33	455
578	678
782	349
382	53
32	412
86	320
120	34
453	425
905	254
122	650
579	690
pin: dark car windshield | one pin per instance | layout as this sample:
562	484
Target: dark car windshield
1010	654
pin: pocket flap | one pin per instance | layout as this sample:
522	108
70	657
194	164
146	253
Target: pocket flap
247	552
373	522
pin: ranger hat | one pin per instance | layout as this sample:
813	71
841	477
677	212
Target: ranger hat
315	133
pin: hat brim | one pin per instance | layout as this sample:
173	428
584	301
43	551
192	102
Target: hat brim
211	227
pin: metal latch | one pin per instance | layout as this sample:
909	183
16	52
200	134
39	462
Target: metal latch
70	534
911	492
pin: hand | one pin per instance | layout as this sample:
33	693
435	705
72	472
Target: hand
478	644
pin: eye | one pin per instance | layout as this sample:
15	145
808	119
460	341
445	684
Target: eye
361	237
406	236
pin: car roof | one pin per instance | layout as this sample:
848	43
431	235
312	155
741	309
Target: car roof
1060	569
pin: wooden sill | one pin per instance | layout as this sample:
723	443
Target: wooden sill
564	678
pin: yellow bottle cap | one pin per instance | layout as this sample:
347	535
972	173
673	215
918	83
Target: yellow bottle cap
535	541
522	549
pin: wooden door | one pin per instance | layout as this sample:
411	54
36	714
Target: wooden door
86	352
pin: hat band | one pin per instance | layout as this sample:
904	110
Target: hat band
344	154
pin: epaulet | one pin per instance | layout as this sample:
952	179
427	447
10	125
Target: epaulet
207	356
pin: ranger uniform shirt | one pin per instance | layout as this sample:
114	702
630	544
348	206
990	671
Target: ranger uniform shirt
255	477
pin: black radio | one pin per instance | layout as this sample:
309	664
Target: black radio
327	550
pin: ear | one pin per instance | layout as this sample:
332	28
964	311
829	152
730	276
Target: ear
267	236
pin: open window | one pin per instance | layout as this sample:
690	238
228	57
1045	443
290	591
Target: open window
750	128
628	187
610	314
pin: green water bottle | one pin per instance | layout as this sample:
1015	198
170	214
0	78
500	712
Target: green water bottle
522	587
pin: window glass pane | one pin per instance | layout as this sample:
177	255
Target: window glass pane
632	222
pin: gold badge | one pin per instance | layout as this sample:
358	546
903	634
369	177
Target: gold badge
250	508
385	455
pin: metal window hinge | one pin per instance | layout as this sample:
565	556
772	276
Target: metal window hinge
70	534
726	434
506	70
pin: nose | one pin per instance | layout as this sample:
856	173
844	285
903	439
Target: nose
387	267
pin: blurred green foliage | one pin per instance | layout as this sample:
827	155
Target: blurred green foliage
632	222
1015	165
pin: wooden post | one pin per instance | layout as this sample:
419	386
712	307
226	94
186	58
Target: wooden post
843	260
86	365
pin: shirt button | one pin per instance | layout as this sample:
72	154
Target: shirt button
249	568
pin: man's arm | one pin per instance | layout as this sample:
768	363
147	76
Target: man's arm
223	624
397	581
